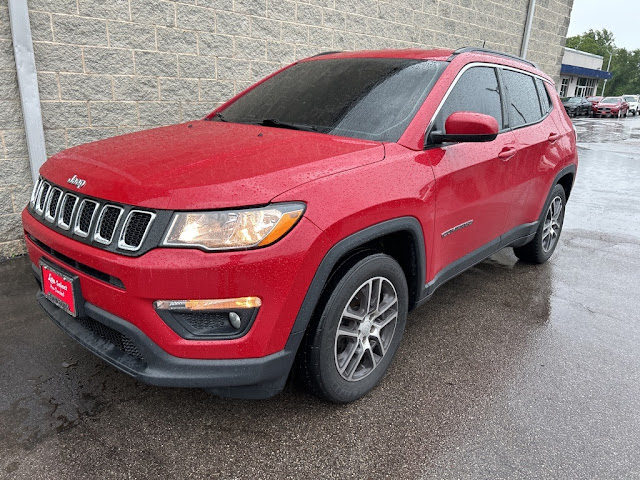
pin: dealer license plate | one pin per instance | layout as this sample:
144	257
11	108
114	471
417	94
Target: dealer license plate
58	287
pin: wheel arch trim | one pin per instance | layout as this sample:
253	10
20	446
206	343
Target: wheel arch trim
569	169
407	224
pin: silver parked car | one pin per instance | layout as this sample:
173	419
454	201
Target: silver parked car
633	101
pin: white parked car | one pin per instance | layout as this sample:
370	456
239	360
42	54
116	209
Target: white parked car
633	102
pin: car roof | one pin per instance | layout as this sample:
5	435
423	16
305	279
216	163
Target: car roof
467	55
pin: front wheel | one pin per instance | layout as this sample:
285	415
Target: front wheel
540	249
350	344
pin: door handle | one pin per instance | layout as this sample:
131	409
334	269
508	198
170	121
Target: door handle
507	153
553	137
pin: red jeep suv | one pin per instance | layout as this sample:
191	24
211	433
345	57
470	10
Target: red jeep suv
297	224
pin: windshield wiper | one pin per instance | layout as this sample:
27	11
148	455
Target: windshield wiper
218	116
272	122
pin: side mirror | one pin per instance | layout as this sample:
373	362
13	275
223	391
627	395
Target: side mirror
467	127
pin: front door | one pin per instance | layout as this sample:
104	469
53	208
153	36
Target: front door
472	180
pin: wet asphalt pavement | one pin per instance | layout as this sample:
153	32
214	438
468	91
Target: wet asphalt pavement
511	371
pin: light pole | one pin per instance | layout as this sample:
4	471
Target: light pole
608	67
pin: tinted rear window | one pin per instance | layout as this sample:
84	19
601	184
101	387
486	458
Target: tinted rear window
367	98
524	105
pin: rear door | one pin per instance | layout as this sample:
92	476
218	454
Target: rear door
528	106
472	179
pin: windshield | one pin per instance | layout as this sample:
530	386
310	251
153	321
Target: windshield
574	100
367	98
630	98
593	99
611	100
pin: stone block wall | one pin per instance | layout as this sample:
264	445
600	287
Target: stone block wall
107	67
15	175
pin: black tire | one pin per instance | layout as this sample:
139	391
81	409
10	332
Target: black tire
317	361
535	251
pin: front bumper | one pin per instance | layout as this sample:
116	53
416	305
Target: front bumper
606	111
127	348
279	274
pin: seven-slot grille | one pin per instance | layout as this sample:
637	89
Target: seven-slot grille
90	219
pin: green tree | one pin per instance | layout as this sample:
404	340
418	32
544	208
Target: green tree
625	65
625	68
599	42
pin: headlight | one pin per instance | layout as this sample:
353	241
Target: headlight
233	229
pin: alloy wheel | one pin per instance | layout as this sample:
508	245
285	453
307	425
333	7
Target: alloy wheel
552	224
366	329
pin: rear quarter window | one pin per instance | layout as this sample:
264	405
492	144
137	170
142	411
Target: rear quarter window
545	100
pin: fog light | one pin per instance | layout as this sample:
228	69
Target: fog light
209	319
234	320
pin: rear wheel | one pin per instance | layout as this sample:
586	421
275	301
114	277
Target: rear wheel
540	249
350	344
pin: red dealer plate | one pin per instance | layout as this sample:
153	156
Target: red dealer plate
58	288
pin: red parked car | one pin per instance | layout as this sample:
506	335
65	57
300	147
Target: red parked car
299	223
594	100
611	107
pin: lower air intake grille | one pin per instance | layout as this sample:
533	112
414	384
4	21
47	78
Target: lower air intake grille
120	341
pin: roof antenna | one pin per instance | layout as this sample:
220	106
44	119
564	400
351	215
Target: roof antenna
483	43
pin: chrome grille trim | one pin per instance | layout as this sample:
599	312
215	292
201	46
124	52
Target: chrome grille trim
67	196
41	200
121	240
76	228
96	235
114	227
47	211
34	192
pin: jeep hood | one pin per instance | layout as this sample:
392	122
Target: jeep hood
206	165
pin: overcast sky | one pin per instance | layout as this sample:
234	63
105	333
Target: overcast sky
622	17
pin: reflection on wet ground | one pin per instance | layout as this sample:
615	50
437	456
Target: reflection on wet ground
609	130
511	371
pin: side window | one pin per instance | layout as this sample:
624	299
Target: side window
545	101
476	91
524	105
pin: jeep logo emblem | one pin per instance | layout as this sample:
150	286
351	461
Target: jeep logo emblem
78	182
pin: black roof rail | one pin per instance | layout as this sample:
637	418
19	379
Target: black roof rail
325	53
491	52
